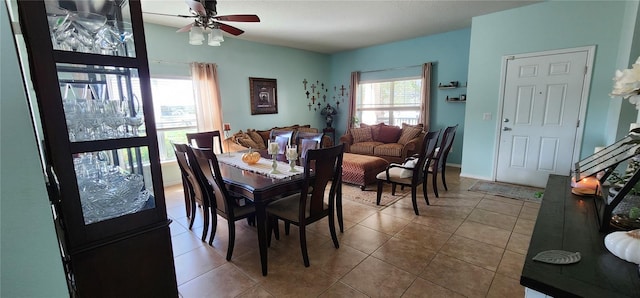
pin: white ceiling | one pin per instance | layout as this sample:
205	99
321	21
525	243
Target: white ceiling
332	26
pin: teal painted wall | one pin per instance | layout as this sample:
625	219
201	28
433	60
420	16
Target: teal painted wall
238	60
31	265
450	54
538	27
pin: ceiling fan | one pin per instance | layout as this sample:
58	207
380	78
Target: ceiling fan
207	20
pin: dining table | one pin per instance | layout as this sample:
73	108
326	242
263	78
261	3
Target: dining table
261	190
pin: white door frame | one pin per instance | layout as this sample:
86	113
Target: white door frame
583	100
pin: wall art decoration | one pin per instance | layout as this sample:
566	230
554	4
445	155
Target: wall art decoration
264	96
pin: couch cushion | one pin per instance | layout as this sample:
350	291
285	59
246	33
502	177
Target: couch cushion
264	134
362	134
391	149
408	133
364	147
389	134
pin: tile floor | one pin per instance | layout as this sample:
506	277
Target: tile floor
465	244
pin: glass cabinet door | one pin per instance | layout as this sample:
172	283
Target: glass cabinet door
98	27
101	102
113	183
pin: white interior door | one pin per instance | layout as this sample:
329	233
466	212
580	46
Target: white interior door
540	112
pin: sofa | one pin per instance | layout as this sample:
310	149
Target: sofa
258	139
386	141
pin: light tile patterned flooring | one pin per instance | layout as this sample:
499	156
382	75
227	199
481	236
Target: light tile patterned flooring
465	244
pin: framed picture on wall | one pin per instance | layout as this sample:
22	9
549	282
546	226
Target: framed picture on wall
264	96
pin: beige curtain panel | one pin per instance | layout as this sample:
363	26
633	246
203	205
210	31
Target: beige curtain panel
207	94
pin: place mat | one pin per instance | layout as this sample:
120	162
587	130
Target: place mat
513	191
263	166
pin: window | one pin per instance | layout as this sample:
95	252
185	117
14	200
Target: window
174	111
393	102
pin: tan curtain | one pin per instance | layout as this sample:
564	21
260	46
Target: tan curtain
207	94
426	95
355	81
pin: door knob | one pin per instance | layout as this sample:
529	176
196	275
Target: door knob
506	129
505	120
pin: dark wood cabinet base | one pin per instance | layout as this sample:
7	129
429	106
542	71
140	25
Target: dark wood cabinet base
134	266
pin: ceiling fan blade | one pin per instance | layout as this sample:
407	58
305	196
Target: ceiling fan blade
230	29
186	28
197	7
238	18
169	15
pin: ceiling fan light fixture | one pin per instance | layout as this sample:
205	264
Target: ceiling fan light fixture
196	35
215	37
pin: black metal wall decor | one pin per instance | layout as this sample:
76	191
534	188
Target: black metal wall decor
318	93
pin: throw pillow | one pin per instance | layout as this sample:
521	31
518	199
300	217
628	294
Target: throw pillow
362	134
375	129
257	138
389	134
264	134
246	141
408	133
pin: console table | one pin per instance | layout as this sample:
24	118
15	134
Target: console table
569	222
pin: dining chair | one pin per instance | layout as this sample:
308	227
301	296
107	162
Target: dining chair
282	137
206	139
229	206
412	172
309	206
439	160
193	191
308	140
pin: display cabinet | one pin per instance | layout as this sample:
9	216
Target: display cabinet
89	69
615	204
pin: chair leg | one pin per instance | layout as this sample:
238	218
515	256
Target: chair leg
232	237
424	191
205	224
269	230
193	214
393	189
339	207
303	245
444	181
413	199
276	227
332	229
214	225
187	198
379	192
434	179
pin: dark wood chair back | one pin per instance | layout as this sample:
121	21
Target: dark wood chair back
193	190
439	163
283	137
395	173
308	140
308	206
206	140
230	207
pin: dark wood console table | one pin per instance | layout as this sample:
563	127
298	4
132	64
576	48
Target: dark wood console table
569	222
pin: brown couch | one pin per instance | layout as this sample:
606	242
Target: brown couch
389	142
258	139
